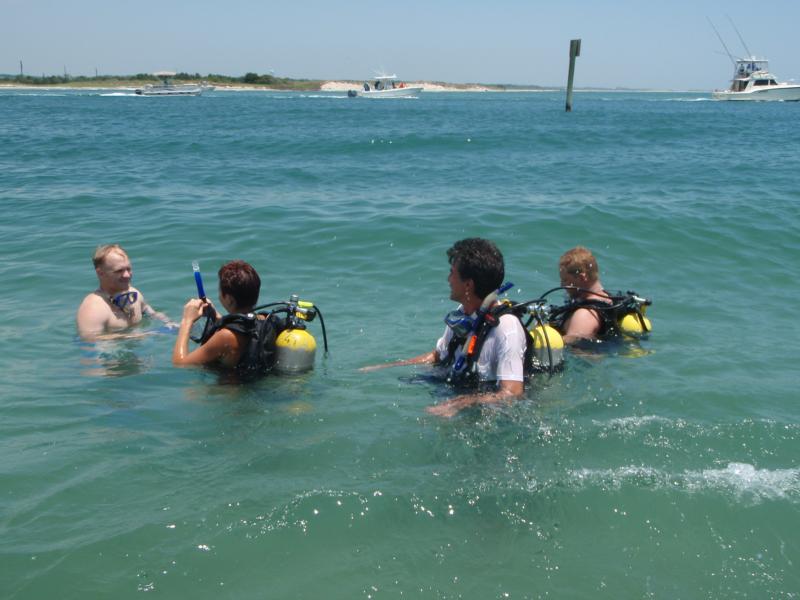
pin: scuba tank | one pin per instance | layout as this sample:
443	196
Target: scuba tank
634	323
548	345
548	348
295	347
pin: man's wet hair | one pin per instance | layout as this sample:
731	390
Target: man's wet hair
102	252
240	280
479	260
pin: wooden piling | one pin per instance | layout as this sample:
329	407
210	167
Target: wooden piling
574	52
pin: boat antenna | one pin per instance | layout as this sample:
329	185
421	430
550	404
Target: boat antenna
721	41
749	54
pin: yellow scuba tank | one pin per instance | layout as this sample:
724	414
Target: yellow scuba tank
296	348
545	336
295	351
634	326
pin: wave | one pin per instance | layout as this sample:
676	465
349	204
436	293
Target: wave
740	481
335	96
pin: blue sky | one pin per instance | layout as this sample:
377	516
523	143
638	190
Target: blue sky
662	45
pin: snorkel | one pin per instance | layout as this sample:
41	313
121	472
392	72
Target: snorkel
208	311
468	349
198	279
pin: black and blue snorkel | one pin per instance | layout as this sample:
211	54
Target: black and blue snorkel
198	279
208	311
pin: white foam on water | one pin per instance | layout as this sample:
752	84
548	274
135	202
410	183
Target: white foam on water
336	96
628	423
704	99
741	481
744	480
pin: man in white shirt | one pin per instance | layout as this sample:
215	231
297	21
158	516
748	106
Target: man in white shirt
477	270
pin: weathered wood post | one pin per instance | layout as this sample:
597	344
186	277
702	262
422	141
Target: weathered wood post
574	51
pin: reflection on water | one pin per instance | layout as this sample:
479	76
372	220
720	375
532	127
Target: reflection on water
129	354
112	358
249	393
596	350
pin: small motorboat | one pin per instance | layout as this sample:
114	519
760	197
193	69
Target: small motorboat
168	88
385	86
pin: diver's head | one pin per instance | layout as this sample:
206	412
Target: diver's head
239	285
476	270
113	268
578	267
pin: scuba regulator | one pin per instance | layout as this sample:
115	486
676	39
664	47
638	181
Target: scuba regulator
295	346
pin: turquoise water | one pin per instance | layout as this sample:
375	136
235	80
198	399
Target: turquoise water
668	470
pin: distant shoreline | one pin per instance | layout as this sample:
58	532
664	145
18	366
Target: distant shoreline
320	86
337	86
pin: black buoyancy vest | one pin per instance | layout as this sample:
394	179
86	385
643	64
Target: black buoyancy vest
259	353
608	313
469	373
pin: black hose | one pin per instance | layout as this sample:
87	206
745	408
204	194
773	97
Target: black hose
322	323
549	348
285	304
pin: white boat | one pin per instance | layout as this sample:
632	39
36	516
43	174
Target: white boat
168	88
752	80
385	86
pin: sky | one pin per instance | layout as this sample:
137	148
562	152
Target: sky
649	44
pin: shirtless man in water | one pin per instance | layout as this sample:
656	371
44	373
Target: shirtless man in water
578	267
115	305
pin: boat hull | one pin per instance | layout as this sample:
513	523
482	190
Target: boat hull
780	93
174	91
403	92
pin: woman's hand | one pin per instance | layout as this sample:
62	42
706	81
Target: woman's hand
194	309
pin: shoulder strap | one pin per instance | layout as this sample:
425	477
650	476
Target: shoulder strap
235	322
607	313
561	314
489	321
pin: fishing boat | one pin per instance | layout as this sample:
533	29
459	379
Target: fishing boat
168	88
752	80
385	86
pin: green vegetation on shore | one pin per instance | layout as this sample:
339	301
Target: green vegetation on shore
248	79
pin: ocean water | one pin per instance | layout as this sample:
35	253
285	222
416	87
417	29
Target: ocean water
667	469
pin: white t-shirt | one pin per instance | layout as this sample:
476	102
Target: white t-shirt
503	352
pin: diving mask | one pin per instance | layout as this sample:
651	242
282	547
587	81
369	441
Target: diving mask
459	322
125	299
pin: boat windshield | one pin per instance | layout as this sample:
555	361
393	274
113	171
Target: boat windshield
746	67
385	82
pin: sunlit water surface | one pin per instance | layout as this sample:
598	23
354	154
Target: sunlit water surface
666	469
